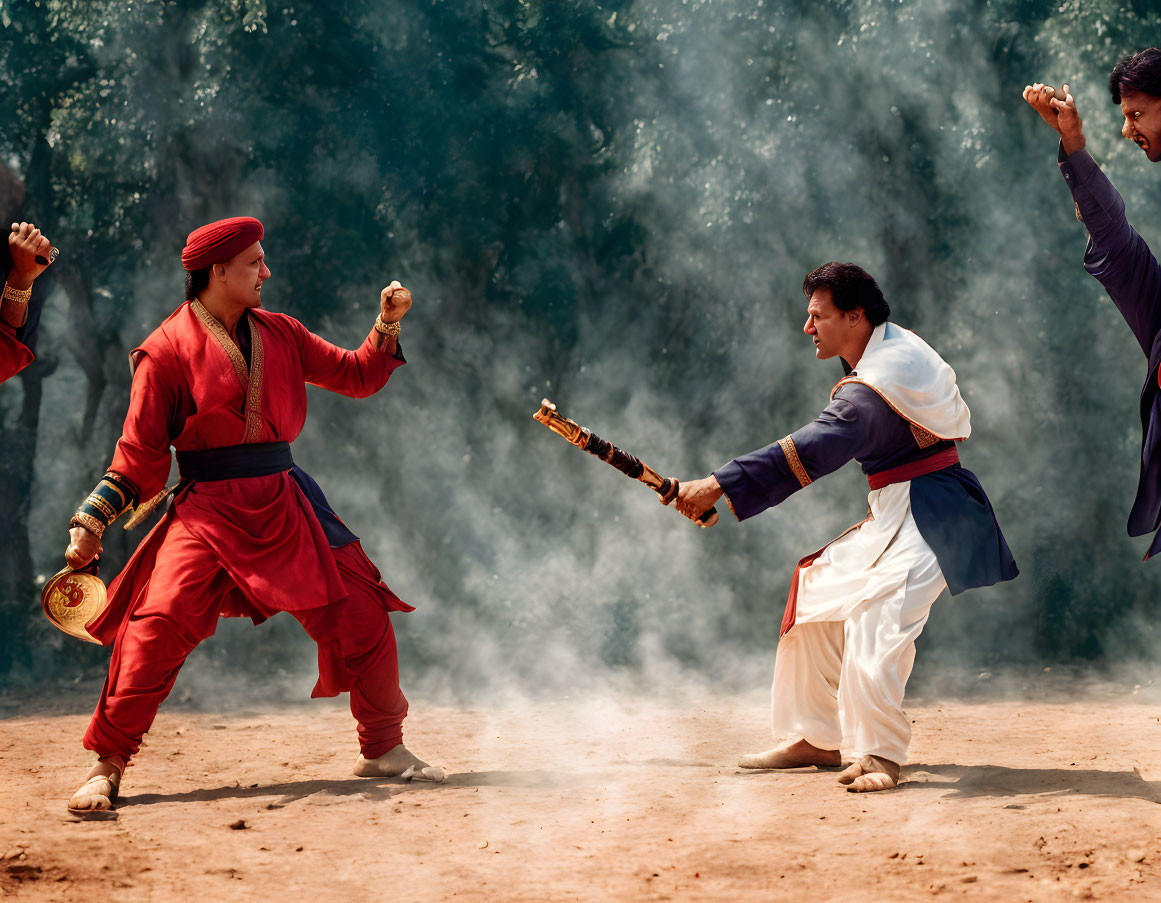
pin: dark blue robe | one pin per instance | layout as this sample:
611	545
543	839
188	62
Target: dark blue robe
950	508
1121	261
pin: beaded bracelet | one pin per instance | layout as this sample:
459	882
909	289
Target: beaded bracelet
387	328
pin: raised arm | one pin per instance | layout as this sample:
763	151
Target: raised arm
1115	254
31	254
364	371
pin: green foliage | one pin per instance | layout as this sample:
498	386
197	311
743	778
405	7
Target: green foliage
615	203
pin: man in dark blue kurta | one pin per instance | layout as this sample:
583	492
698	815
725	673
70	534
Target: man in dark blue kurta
857	606
1116	255
26	249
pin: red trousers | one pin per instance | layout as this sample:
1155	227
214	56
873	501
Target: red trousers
180	606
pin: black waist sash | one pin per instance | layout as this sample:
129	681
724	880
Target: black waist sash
235	461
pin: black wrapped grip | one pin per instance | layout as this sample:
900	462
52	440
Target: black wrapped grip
631	466
628	464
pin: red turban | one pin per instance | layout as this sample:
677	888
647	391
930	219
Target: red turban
218	242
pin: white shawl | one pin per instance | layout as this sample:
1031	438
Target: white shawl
914	380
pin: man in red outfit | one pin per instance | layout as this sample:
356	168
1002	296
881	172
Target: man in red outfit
222	381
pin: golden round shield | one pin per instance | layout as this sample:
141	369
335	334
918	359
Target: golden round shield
71	599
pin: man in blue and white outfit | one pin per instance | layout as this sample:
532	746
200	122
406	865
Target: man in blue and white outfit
857	605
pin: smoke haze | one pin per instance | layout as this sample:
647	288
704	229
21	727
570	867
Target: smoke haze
613	205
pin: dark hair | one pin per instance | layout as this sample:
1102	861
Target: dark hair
852	287
1137	73
195	282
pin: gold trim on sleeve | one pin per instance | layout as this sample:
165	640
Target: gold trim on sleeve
791	453
102	506
117	489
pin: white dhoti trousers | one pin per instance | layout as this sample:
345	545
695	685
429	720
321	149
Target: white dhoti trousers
841	671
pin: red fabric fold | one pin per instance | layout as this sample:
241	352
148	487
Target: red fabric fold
791	612
14	355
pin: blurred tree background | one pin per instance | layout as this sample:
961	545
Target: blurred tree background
612	204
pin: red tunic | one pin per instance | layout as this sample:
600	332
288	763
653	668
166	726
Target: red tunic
14	354
193	390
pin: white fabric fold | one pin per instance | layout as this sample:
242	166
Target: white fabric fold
841	671
868	562
914	380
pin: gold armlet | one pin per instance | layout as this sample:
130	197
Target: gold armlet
15	295
107	510
391	329
111	498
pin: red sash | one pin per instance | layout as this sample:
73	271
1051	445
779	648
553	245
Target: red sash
905	472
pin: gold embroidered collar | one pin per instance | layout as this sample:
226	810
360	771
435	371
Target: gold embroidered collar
250	377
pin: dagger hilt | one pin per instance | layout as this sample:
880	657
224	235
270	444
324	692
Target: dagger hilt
630	465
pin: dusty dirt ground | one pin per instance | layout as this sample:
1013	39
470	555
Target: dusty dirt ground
624	799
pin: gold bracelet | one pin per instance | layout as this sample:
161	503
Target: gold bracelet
15	295
392	329
89	522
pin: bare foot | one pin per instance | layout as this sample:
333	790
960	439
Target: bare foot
397	762
792	755
870	773
100	790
